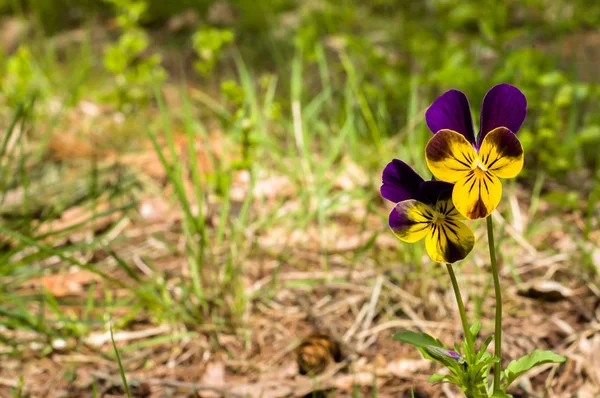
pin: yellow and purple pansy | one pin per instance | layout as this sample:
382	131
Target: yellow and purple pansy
474	165
424	209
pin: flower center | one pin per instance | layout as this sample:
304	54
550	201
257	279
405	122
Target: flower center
479	165
479	168
438	218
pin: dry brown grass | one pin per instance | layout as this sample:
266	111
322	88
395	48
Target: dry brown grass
358	305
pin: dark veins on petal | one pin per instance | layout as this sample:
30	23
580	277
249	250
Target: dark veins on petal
471	179
507	144
439	149
455	250
399	220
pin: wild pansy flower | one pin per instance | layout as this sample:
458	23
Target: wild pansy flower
454	155
424	209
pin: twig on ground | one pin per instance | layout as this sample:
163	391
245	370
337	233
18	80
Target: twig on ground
103	338
8	383
359	319
371	311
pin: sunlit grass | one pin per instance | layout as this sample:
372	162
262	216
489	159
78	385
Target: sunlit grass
316	139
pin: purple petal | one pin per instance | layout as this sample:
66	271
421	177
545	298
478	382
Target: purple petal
400	182
453	354
432	191
503	106
451	111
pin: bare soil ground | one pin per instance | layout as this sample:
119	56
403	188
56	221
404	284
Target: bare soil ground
298	283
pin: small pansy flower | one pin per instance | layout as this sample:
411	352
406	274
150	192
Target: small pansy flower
424	209
474	165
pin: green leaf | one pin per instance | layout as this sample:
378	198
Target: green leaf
418	340
484	363
484	346
457	348
486	359
518	367
469	355
427	345
474	329
434	378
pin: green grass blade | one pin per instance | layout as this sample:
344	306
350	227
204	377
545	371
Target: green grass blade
121	369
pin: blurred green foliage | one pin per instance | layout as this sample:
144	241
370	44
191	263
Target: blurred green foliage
128	60
208	44
387	48
18	77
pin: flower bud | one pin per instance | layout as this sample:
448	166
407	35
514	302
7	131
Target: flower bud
441	355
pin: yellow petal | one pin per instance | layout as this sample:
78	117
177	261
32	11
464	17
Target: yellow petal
477	194
446	208
449	241
501	153
410	220
449	155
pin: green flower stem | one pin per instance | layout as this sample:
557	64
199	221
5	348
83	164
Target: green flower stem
461	309
478	391
498	293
